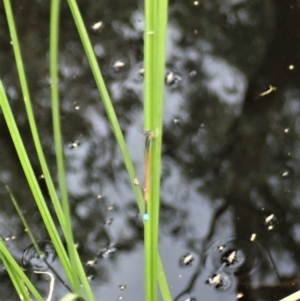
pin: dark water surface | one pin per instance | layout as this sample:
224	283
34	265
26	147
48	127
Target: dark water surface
230	226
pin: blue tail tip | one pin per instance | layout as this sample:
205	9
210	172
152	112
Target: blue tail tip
146	216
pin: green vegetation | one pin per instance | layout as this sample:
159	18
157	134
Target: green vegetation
155	33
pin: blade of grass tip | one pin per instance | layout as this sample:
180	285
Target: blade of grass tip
107	102
33	184
155	40
30	115
54	38
163	283
16	271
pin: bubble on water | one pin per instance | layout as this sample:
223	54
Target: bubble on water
220	280
186	260
31	259
233	256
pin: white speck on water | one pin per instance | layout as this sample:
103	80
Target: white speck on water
286	130
118	64
253	237
122	287
269	218
285	174
97	26
240	295
291	67
136	181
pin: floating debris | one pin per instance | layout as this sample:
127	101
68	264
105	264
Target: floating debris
186	260
230	257
74	144
119	64
122	287
219	280
221	248
91	262
142	72
172	78
106	252
90	278
108	221
97	26
270	221
176	121
253	237
240	295
267	92
285	174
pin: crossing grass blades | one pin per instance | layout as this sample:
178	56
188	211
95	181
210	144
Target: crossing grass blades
77	283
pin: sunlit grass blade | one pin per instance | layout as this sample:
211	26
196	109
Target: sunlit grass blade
17	275
156	12
54	37
33	184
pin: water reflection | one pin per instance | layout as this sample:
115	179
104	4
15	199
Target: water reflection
231	151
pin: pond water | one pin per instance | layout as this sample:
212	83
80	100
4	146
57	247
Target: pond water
230	226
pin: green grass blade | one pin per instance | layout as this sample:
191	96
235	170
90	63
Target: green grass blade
155	44
33	184
29	110
16	273
54	38
26	226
